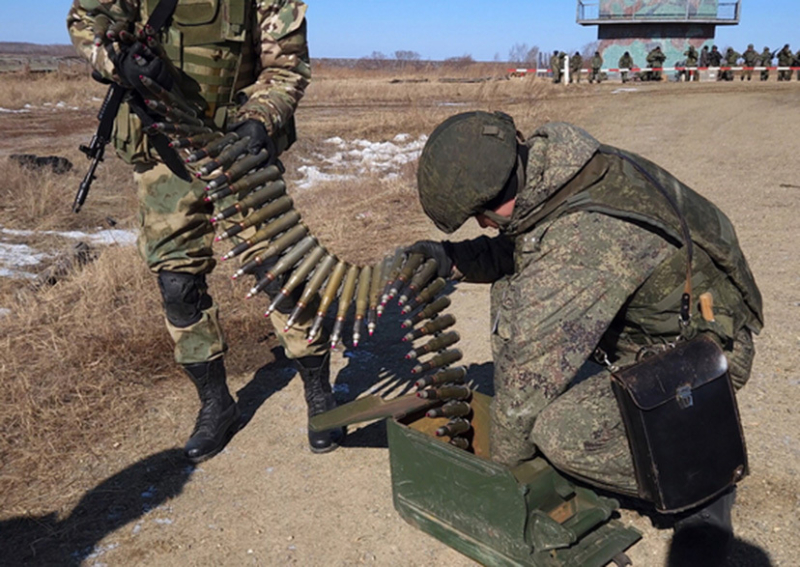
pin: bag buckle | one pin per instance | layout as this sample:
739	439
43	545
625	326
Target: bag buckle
683	395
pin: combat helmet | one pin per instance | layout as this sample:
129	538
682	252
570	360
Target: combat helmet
464	165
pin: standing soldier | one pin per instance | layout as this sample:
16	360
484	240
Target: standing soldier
796	63
625	64
715	60
703	63
785	59
731	58
556	67
597	64
766	61
655	60
691	61
246	65
751	58
575	65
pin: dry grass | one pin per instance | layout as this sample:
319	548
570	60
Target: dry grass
80	356
19	89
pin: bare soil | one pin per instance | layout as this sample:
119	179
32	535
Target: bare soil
266	500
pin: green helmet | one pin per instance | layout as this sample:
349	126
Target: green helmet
465	163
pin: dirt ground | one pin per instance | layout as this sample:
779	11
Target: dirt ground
266	500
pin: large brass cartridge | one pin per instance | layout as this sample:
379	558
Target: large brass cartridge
271	173
453	408
425	296
328	296
276	227
434	345
362	302
422	277
284	263
455	375
312	287
348	290
412	263
378	276
297	277
275	208
438	361
238	170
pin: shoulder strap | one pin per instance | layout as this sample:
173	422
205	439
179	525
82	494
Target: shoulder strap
686	299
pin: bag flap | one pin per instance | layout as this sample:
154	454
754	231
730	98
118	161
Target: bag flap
196	12
669	375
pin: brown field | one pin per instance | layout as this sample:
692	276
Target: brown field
93	407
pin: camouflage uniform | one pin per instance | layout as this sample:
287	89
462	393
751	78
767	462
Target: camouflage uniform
691	61
243	49
731	58
655	60
557	67
766	61
575	65
751	58
625	62
597	64
785	59
602	269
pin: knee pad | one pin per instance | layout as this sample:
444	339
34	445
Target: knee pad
184	297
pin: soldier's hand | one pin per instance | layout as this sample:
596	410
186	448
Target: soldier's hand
439	251
137	61
259	137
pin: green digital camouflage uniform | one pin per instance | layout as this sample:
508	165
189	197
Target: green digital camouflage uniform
765	61
605	269
625	62
222	47
751	58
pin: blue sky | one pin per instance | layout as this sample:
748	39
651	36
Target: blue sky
437	29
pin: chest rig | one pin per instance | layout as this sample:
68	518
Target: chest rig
210	41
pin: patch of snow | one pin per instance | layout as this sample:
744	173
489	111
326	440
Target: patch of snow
451	104
20	255
163	521
109	236
625	90
360	156
13	111
4	311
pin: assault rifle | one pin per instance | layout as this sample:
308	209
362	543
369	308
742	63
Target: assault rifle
96	149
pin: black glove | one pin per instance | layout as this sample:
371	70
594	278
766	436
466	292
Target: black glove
439	251
136	61
259	137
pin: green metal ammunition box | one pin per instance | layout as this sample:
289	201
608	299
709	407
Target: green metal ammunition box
527	515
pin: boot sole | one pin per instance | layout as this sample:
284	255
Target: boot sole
332	447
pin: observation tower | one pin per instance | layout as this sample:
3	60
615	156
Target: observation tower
638	26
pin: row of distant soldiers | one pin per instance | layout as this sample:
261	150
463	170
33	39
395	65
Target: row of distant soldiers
704	59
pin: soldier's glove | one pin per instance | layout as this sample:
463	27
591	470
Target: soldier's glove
442	252
136	61
259	137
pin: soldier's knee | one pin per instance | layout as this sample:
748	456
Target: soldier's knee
548	431
185	297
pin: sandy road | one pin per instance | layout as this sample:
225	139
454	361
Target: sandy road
268	501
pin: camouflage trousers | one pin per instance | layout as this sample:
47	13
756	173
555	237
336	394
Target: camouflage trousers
175	234
581	433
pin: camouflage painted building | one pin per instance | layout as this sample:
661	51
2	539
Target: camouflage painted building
639	25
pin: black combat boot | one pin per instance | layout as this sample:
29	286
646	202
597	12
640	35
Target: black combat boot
315	372
218	414
704	536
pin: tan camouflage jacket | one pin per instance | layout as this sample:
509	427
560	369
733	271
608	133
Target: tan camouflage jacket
276	43
570	282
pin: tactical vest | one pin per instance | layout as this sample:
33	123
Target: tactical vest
210	42
614	187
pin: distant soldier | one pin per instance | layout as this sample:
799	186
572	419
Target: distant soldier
766	61
555	67
796	63
785	59
625	62
655	60
575	65
691	61
597	64
703	63
715	60
731	58
751	58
